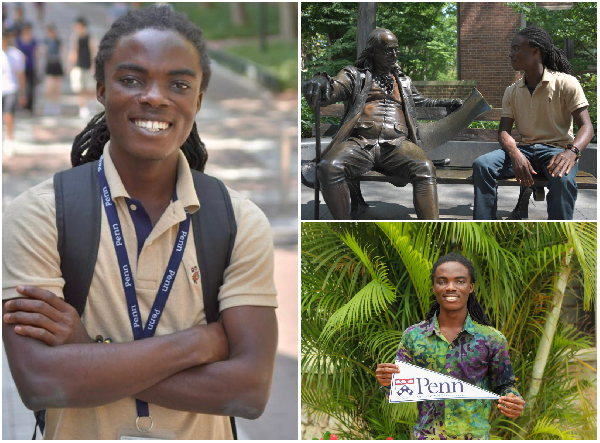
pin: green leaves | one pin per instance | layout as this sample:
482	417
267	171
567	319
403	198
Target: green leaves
363	284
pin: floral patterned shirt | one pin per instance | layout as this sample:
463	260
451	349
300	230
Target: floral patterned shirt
479	356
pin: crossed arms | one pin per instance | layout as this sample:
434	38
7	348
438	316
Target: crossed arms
212	369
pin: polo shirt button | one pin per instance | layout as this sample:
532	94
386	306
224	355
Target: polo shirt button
132	207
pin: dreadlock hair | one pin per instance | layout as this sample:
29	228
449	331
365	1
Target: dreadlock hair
552	57
89	144
475	309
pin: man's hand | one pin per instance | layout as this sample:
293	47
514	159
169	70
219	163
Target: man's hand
45	317
312	90
522	168
511	405
562	163
384	373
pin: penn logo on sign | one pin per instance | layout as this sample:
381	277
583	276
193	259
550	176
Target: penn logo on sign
438	388
180	241
168	279
405	381
106	196
153	319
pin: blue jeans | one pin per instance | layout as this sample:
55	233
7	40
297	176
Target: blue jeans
489	168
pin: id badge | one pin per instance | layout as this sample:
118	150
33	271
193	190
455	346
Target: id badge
139	432
131	433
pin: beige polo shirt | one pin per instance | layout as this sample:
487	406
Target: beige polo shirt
545	117
30	257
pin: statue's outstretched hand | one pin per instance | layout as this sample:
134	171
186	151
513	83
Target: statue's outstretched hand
315	86
455	104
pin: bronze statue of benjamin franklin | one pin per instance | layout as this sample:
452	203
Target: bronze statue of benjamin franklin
379	128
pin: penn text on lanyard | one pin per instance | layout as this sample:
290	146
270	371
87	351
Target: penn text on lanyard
165	287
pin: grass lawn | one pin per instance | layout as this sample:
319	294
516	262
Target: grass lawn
215	19
281	58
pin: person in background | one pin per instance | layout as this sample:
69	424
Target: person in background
27	44
54	71
13	87
81	55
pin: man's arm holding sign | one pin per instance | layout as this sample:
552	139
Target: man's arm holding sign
503	380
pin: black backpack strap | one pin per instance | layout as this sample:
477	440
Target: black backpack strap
78	221
214	236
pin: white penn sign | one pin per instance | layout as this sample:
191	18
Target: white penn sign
418	384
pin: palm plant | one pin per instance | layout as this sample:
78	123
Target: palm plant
363	284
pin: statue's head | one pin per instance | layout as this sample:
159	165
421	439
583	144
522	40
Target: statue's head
381	52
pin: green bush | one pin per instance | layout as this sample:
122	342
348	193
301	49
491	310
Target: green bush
589	84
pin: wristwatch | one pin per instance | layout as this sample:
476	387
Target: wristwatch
575	149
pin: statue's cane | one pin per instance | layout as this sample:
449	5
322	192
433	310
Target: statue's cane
318	152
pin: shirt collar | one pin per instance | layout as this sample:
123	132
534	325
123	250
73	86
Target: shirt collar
434	326
547	78
186	192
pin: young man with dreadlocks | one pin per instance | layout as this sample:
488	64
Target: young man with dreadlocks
543	105
456	339
185	380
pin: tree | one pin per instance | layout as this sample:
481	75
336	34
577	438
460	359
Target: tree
426	35
579	23
365	283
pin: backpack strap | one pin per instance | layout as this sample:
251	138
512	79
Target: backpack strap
214	236
78	218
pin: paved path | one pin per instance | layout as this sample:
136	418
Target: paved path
251	136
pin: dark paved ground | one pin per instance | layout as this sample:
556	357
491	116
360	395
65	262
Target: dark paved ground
251	136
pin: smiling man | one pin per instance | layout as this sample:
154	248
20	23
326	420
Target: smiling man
159	371
542	105
456	339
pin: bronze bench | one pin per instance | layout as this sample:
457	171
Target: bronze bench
451	174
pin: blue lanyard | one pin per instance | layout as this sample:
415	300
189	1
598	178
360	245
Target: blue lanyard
166	285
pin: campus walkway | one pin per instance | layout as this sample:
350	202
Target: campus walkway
251	137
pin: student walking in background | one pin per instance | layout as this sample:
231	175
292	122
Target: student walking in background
13	88
27	44
83	51
54	71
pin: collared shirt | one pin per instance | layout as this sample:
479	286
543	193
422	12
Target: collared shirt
30	257
545	116
478	355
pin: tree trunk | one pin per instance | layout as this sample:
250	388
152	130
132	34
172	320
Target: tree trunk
288	20
239	16
366	23
549	330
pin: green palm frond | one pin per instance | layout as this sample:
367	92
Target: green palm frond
363	284
545	429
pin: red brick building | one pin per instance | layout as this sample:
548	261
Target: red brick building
485	31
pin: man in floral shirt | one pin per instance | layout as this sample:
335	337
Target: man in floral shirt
456	339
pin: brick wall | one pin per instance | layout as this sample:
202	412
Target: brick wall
485	33
451	89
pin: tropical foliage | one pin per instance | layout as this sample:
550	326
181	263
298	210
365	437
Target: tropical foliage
363	284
